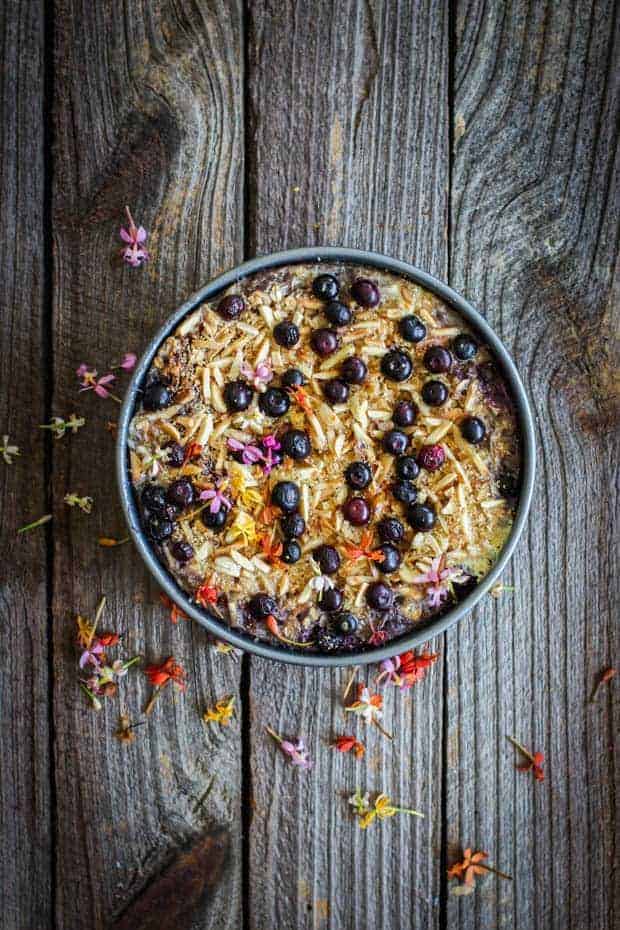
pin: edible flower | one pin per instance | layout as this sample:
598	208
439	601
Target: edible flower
271	548
243	527
259	376
161	675
534	762
364	549
226	649
103	675
206	594
84	503
438	579
8	452
221	713
59	427
271	445
175	612
348	744
217	498
369	707
294	749
250	454
381	808
470	866
133	253
404	670
302	399
125	731
89	382
192	451
127	362
109	542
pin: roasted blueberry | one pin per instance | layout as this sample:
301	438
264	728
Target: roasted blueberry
391	559
395	442
365	292
286	334
159	527
292	378
437	359
182	552
345	622
434	393
157	396
390	530
327	559
331	599
358	475
291	551
274	402
404	491
396	365
431	457
338	314
412	329
285	495
214	521
181	492
292	525
421	517
262	606
153	498
296	444
238	395
379	596
473	430
405	413
407	468
324	341
356	511
325	287
176	455
464	347
354	370
335	391
231	307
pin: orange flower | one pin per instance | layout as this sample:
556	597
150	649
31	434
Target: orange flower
160	675
268	514
192	451
272	550
206	594
364	550
175	612
302	399
469	867
534	762
108	639
348	743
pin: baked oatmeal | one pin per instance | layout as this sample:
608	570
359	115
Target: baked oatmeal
326	456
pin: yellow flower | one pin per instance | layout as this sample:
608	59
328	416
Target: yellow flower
367	819
243	527
222	712
384	807
246	496
380	808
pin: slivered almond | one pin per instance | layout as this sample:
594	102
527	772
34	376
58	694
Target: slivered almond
217	399
189	323
227	565
440	432
170	430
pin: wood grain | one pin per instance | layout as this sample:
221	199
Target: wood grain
25	810
534	245
148	112
348	145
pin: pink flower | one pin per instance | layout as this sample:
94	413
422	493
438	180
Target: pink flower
91	655
90	383
128	362
297	753
133	253
271	445
217	499
438	579
259	376
249	454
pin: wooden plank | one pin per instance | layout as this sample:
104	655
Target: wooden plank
25	814
348	145
148	113
534	246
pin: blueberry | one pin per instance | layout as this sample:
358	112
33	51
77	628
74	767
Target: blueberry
338	314
421	517
331	599
214	521
412	329
407	468
345	622
176	455
335	391
395	442
396	365
291	551
157	396
324	341
434	393
296	444
262	606
356	511
437	359
405	413
238	395
365	292
274	402
391	559
358	475
379	596
292	378
390	530
286	334
153	498
473	430
431	457
159	527
327	558
354	370
181	492
464	347
182	552
231	307
325	287
292	525
404	491
285	495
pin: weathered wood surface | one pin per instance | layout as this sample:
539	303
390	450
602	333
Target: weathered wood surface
534	223
25	809
365	164
148	112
